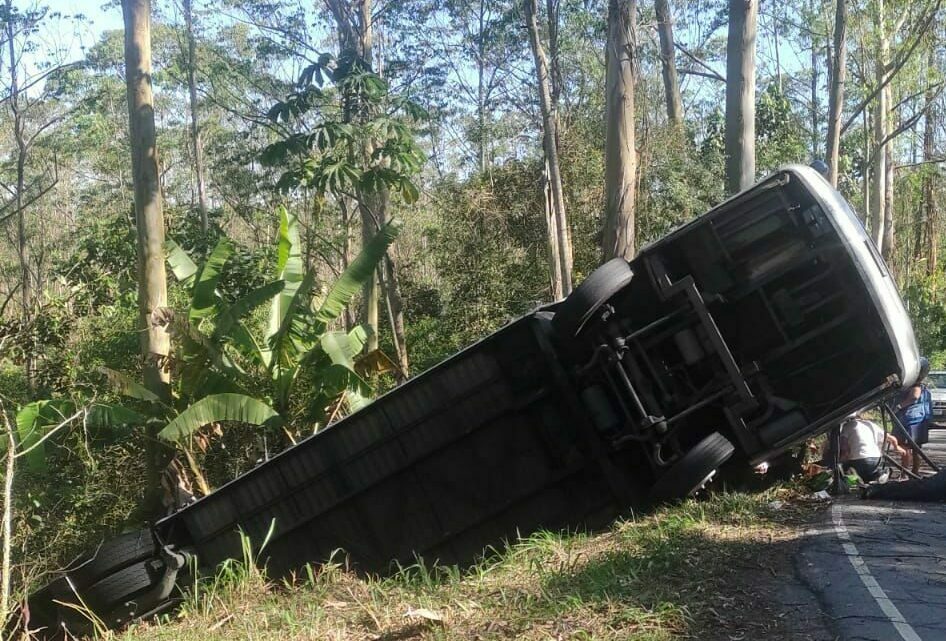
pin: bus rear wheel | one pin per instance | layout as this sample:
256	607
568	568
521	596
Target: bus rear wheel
697	466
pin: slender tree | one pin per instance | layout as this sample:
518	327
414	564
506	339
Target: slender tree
197	149
879	145
353	26
620	153
930	209
562	284
740	94
889	236
16	112
668	64
149	217
836	92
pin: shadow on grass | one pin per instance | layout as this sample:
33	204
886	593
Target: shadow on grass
691	577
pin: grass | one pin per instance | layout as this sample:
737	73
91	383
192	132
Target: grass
689	571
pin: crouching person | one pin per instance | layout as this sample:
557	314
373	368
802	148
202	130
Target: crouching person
862	447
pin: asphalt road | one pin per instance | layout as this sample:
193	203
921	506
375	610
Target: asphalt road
878	568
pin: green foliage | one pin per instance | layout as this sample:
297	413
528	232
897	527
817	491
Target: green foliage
489	245
35	420
357	273
364	147
925	299
676	184
31	421
231	356
780	134
219	408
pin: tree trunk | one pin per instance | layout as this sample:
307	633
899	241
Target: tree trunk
26	286
481	89
740	94
879	164
889	237
836	93
668	64
620	154
866	184
929	200
152	279
370	209
395	303
196	145
355	36
555	271
373	205
815	75
555	68
549	128
6	563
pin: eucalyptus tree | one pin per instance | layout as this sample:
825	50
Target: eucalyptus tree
558	232
740	94
149	215
668	62
620	152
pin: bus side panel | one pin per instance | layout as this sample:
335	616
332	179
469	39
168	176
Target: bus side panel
466	455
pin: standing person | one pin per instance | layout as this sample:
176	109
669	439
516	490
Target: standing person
915	410
862	445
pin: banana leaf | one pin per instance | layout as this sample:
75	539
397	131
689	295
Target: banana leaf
127	387
358	272
181	264
287	344
216	409
290	269
32	421
204	296
229	317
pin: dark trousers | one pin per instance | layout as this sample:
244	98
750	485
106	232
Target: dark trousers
867	468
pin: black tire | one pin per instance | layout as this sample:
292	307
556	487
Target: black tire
44	612
117	588
687	475
112	555
601	285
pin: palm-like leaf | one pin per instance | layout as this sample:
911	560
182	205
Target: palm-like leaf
127	387
340	375
31	423
290	269
110	419
288	342
358	272
205	299
228	318
181	264
216	409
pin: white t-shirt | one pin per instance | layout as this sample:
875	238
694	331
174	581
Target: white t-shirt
864	439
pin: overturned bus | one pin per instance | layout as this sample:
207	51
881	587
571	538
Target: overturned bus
739	335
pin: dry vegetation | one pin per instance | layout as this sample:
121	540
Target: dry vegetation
702	570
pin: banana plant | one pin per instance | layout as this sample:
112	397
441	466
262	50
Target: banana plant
228	358
220	365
